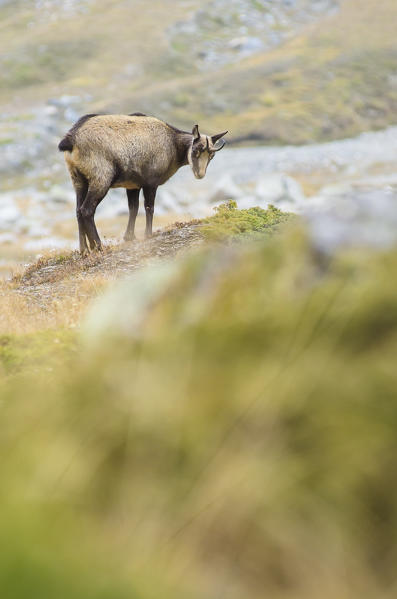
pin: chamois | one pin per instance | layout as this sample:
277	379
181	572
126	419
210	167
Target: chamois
132	151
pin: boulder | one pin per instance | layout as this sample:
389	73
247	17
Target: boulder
225	189
9	212
280	190
360	218
167	202
37	231
49	243
114	204
61	195
245	46
8	239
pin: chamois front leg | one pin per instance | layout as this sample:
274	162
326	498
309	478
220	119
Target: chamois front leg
94	196
149	195
80	184
133	206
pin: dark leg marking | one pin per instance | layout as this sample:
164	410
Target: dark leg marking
80	184
94	197
149	195
133	206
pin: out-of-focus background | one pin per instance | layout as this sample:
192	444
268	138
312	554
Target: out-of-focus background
273	72
210	413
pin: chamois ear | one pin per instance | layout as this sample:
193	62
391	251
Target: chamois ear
196	133
215	138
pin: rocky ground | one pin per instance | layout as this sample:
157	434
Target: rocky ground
50	279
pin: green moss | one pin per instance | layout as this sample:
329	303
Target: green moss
228	221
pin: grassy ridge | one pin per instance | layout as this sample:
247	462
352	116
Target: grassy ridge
38	331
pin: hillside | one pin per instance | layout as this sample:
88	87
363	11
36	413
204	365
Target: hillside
285	72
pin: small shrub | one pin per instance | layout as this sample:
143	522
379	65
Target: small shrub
228	221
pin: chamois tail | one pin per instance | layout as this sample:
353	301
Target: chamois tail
66	144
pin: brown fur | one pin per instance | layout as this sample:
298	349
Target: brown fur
127	151
131	151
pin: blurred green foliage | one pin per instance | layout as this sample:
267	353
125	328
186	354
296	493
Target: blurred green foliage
239	441
38	352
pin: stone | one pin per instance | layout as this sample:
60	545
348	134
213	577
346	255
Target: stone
366	218
61	195
225	189
35	245
166	202
279	190
115	203
37	231
8	239
246	45
9	212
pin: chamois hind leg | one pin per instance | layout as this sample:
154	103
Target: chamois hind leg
149	195
80	185
133	206
95	195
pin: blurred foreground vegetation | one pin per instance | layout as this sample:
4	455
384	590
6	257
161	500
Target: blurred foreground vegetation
223	426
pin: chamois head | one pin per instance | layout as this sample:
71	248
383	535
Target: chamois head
203	150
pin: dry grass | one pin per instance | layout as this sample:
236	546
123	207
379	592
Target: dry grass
54	291
16	255
23	313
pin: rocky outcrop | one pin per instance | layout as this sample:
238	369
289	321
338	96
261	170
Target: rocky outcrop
225	31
